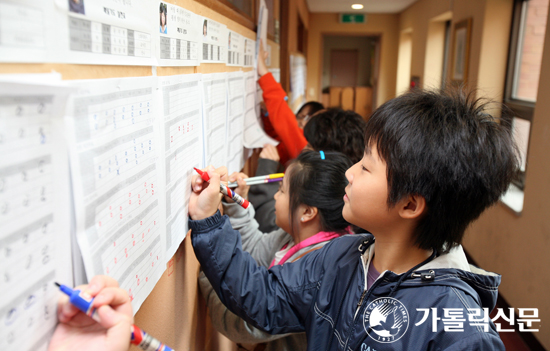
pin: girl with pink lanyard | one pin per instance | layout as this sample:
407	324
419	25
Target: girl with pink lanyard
308	211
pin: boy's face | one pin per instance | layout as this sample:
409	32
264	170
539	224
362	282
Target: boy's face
365	202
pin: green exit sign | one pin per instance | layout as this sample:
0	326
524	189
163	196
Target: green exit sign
352	18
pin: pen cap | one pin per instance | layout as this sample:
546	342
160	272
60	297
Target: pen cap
203	175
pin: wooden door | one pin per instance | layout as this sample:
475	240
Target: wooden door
343	68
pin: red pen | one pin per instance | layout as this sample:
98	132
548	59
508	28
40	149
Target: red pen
224	189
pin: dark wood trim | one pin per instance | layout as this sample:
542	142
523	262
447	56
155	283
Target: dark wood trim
227	9
284	63
528	337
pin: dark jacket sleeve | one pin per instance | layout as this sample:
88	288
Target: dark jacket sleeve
281	117
276	300
261	196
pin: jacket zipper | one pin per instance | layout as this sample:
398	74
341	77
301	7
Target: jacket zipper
364	291
362	298
360	303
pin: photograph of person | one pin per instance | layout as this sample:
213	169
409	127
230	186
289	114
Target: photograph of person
77	6
163	10
204	28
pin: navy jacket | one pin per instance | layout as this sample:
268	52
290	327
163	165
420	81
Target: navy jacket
325	295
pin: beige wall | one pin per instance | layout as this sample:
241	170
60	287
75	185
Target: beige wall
364	47
514	246
518	246
404	62
488	43
385	26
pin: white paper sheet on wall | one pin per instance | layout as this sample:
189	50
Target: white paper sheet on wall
114	161
235	121
249	48
104	32
276	72
254	135
298	72
235	49
214	98
178	40
261	32
214	41
25	30
34	203
182	149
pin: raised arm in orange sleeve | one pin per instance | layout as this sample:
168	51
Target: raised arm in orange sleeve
281	117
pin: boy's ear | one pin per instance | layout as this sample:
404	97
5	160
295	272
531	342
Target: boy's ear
412	207
307	213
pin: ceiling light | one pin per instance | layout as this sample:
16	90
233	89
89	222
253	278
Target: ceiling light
357	6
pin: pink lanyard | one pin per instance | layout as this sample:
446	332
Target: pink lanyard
312	240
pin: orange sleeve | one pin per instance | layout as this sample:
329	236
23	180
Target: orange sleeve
281	149
281	117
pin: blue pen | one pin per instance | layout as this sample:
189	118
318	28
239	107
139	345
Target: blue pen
85	304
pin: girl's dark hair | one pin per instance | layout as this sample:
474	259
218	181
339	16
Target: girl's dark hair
320	183
446	147
337	130
313	106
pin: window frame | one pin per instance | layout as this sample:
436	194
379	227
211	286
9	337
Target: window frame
523	109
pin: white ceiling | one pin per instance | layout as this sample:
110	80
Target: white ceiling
370	6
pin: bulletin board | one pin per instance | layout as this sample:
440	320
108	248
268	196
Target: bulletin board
174	311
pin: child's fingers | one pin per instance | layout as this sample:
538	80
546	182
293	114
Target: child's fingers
222	171
242	187
111	318
65	310
233	176
197	183
113	296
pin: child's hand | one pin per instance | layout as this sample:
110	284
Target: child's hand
206	197
242	188
77	331
270	152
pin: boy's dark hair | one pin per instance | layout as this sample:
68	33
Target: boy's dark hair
313	181
313	106
337	130
444	146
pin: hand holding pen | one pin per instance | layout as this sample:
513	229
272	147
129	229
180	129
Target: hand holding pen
104	315
206	196
224	189
76	331
240	181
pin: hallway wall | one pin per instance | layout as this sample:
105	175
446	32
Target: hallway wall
384	25
515	246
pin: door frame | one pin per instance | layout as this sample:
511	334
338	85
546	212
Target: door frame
376	68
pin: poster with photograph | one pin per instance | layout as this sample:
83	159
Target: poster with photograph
178	36
249	50
214	41
104	32
235	49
